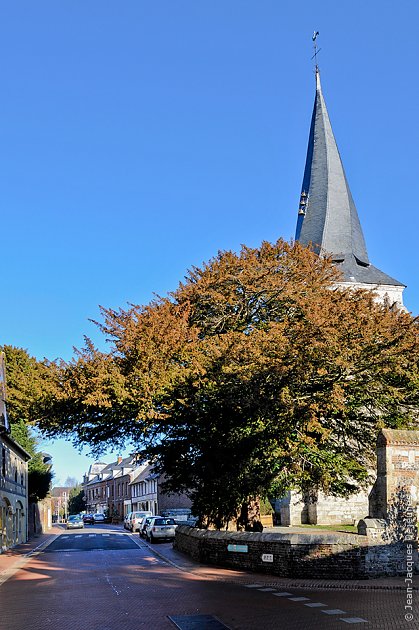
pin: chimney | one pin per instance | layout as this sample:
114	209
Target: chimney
119	461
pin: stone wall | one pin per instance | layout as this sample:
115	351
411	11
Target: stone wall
323	555
39	517
328	510
320	509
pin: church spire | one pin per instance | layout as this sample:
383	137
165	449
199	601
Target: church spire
327	216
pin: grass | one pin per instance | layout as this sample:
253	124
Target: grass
352	529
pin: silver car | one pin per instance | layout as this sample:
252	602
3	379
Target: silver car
160	528
75	521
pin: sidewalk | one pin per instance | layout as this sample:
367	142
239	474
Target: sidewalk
17	555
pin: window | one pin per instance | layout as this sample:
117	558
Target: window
3	462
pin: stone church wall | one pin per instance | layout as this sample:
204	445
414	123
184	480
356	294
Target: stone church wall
294	509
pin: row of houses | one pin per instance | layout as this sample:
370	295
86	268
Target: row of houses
127	485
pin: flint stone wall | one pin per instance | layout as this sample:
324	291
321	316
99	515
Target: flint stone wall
397	468
320	509
323	555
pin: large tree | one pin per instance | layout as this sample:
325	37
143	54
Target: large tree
76	503
256	375
28	382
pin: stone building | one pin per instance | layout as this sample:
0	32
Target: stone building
328	221
13	479
13	492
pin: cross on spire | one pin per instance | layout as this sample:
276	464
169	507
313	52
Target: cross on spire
316	50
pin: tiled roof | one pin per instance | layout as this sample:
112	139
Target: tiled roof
143	473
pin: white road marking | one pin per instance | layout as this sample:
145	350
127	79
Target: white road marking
293	598
108	579
253	585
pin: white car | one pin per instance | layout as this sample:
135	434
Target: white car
136	519
99	518
160	528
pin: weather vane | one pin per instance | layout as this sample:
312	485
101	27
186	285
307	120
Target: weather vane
316	50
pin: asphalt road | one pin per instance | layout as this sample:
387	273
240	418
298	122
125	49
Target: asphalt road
102	578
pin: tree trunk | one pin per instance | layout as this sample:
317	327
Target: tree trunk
249	518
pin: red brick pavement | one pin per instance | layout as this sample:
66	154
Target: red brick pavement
15	556
97	592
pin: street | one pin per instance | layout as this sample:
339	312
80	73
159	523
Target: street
102	578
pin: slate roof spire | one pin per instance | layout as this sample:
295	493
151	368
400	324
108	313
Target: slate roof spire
327	216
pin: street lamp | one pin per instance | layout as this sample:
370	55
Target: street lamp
65	505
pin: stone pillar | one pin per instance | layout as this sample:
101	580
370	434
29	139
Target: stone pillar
397	474
391	528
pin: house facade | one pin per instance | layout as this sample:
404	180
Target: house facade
127	485
13	492
144	490
107	487
13	479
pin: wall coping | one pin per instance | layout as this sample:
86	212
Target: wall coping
398	437
318	538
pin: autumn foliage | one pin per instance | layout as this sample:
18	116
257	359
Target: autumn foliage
255	376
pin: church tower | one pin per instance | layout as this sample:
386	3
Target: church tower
327	216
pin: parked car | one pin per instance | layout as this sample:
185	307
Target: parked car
75	521
99	518
160	528
88	518
136	519
143	526
126	520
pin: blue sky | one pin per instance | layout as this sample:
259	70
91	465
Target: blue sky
139	138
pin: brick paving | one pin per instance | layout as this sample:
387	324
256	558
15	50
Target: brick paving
134	588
